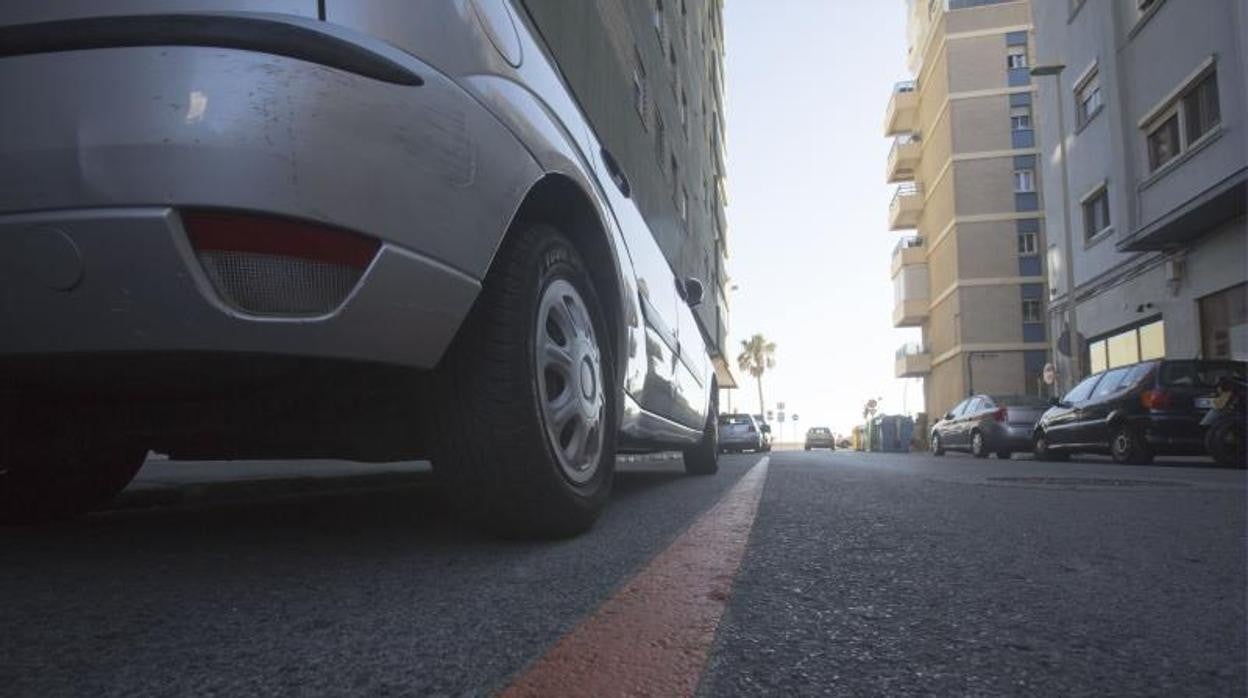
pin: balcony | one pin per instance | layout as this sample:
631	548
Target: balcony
913	361
902	115
903	158
906	207
911	295
908	252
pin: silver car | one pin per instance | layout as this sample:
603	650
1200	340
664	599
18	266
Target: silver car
307	228
986	424
742	432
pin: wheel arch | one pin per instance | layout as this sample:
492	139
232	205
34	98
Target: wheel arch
559	200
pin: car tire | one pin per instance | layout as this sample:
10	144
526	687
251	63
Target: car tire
938	449
1127	446
1224	442
1004	455
1041	450
703	459
978	448
63	477
526	411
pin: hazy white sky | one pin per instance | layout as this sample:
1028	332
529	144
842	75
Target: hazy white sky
807	82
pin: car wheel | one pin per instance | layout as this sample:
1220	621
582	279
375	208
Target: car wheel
1040	448
1225	443
978	448
1128	447
703	459
526	415
1004	455
63	477
938	449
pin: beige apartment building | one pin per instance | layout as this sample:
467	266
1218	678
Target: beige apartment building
970	272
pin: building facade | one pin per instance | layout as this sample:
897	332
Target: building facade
649	76
1152	102
971	273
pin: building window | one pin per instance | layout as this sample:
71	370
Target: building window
1095	213
683	204
1033	311
1224	324
675	171
1142	343
684	110
1016	57
1024	181
1027	244
1020	118
1193	115
1088	98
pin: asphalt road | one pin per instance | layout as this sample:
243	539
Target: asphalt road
865	574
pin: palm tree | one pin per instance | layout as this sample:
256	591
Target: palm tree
757	355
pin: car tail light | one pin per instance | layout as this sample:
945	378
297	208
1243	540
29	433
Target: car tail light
750	429
278	266
1155	399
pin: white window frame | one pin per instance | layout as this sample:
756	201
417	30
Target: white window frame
1090	82
1025	181
1171	105
1039	306
1016	57
1031	248
1101	189
1020	114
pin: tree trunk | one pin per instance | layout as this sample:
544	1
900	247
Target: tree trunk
762	408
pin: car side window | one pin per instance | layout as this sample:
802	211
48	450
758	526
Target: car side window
1112	382
958	409
1081	392
975	406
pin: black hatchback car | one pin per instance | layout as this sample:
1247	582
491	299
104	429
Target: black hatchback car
1134	412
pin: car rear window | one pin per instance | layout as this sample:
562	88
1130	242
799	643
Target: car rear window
1198	374
725	419
819	431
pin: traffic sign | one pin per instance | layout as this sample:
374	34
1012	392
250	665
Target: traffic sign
780	416
1050	373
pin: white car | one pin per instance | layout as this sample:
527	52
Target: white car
307	228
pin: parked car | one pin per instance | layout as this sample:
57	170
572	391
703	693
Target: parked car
304	231
984	424
1134	412
765	427
740	432
820	437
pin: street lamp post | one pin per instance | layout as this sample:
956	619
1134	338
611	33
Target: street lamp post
1068	249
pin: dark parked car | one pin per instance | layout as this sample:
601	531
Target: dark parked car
1134	412
820	437
984	424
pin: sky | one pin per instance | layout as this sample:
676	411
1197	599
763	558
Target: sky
806	86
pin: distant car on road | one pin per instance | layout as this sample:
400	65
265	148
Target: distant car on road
765	427
820	437
984	424
1134	412
740	432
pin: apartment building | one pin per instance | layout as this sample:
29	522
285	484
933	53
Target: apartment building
649	76
1152	117
970	272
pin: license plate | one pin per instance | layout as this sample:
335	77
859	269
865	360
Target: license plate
1204	403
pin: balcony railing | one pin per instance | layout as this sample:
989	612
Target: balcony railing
910	349
909	251
908	242
913	360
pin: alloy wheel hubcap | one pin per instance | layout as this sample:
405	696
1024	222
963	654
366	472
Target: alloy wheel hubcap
569	378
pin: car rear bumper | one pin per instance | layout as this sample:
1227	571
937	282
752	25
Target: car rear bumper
1009	437
740	442
106	145
141	289
1178	434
